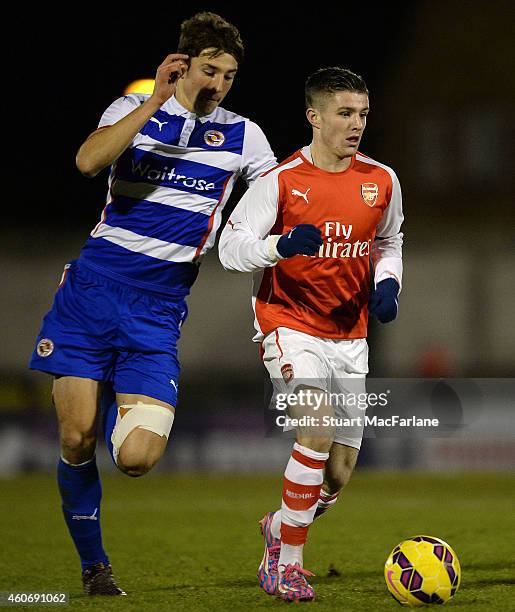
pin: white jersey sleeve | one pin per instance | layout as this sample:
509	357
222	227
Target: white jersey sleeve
257	156
245	243
120	108
386	250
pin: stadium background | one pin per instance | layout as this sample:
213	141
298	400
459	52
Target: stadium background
441	77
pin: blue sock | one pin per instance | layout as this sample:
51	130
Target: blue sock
81	493
109	412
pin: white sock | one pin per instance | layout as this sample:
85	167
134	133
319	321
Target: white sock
275	527
290	554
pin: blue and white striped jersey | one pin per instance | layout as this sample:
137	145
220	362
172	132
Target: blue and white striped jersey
167	192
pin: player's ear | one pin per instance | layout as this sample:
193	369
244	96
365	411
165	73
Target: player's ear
186	68
313	117
186	65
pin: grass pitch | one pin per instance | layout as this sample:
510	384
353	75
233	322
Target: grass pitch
191	542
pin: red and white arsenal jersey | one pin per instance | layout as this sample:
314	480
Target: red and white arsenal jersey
358	211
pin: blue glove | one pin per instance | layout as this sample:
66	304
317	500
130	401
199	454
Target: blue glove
303	239
383	301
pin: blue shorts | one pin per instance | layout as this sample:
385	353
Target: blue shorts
105	330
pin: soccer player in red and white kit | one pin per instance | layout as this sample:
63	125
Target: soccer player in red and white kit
309	229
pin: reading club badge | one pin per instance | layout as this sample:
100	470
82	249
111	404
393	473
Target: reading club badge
45	347
214	138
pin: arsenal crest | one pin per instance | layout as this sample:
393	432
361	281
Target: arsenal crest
287	372
369	193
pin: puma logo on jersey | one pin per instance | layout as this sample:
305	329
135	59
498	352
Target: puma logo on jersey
158	122
304	196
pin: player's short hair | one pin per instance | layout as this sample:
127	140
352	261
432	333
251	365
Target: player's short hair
205	30
325	81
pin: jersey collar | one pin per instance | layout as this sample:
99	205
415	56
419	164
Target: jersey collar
177	109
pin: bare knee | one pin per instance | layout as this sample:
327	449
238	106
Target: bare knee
140	452
319	444
77	446
75	400
336	481
134	468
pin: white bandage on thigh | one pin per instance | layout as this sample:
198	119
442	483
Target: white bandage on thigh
151	417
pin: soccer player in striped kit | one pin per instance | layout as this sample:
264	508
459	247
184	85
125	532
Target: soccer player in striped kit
175	156
307	230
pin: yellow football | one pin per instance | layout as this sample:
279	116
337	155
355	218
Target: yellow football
422	570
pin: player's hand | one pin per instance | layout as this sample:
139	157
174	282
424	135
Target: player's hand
303	239
383	302
167	75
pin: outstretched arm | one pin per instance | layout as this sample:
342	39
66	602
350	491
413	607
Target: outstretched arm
246	244
106	145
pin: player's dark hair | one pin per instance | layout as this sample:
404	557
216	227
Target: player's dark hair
330	80
205	30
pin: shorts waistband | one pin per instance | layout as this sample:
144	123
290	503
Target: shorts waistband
82	265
